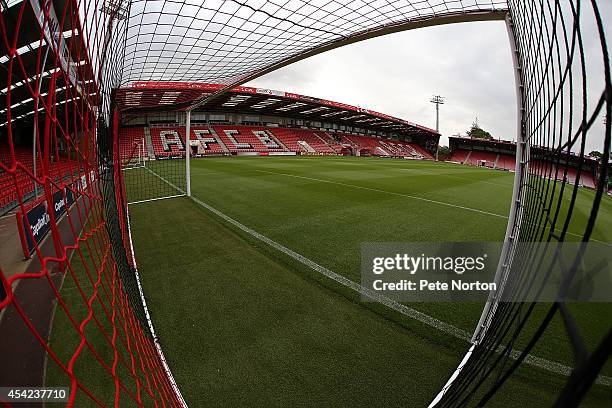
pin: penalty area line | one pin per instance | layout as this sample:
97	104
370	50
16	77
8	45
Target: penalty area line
431	321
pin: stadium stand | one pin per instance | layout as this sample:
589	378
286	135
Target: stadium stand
362	142
413	149
240	138
388	149
500	155
299	140
477	158
383	147
330	141
226	132
506	162
398	148
168	141
294	139
209	140
587	179
347	140
128	138
548	170
419	150
459	155
58	170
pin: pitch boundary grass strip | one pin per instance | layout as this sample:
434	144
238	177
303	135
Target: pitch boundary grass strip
158	348
548	365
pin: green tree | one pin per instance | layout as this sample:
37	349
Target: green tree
443	153
595	153
478	133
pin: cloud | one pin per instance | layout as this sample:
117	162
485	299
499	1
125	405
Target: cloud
470	64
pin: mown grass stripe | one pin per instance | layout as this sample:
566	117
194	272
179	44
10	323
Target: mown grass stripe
387	192
551	366
542	363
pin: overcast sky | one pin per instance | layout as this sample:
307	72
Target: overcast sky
470	64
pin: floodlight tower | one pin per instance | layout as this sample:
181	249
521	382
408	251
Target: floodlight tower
437	100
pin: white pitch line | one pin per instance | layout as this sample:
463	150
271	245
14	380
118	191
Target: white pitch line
155	199
456	332
164	180
412	197
392	304
133	167
160	198
388	192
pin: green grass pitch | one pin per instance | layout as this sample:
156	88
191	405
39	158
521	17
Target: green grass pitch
242	324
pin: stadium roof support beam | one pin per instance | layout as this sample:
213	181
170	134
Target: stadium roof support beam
412	24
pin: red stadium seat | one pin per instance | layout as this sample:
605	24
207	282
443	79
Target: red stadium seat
294	139
58	170
238	138
129	138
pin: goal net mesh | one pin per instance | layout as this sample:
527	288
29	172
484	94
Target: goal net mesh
150	177
63	179
75	314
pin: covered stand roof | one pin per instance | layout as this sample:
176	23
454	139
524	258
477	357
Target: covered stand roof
34	62
508	147
229	42
223	42
160	96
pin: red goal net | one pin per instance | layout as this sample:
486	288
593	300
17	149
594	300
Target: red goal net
72	314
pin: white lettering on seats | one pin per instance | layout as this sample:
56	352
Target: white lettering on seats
169	138
230	133
266	139
200	135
